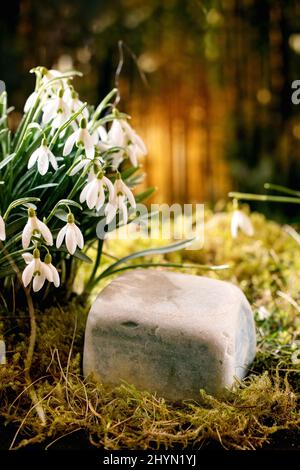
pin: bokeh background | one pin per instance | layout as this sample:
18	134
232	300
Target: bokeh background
216	111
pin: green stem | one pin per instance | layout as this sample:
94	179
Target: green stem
96	264
264	198
282	189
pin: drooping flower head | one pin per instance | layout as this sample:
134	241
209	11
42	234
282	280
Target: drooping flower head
36	270
122	194
94	191
43	156
34	226
80	137
241	221
56	110
72	235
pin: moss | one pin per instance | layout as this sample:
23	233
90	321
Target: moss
264	405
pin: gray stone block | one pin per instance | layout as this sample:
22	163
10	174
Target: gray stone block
169	333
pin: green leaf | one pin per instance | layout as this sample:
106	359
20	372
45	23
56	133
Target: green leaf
43	186
6	160
145	194
165	265
83	257
152	251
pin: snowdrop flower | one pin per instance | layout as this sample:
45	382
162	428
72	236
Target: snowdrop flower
93	193
47	76
36	270
34	226
74	103
135	145
2	229
80	137
56	109
241	221
72	234
122	135
121	194
43	156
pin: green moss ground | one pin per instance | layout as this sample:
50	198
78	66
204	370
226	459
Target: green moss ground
262	411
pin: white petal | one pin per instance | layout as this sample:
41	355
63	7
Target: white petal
28	273
133	156
116	134
60	236
49	111
129	194
47	235
70	143
2	229
84	192
27	257
123	208
234	224
38	282
46	271
109	186
56	279
101	198
34	156
52	159
71	241
110	212
102	133
30	101
79	236
79	166
92	193
26	235
89	146
95	137
43	163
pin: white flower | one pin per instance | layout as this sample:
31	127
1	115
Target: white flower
263	313
74	103
56	109
43	156
241	221
122	135
72	234
121	194
135	145
2	229
36	270
30	101
81	137
34	226
93	192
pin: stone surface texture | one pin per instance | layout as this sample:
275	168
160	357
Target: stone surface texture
169	333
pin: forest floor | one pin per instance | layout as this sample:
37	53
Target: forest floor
260	412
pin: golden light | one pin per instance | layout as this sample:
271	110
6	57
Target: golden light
294	42
264	96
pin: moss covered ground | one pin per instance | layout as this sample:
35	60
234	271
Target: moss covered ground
260	412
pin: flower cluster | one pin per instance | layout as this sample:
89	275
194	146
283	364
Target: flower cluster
70	163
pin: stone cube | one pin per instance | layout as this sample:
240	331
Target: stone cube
169	333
